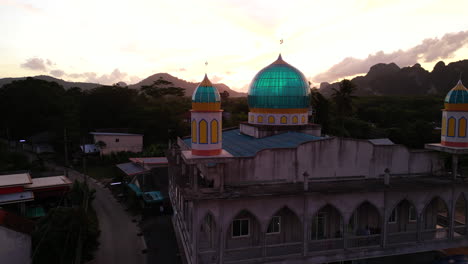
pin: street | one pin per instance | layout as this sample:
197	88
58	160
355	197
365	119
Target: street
119	243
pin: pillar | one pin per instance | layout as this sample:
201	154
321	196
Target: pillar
304	226
452	215
384	221
222	234
454	166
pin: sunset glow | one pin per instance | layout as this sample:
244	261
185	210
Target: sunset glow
109	41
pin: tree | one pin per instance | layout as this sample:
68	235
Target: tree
224	96
343	100
322	108
55	239
161	88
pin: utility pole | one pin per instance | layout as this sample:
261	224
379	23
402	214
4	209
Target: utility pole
65	146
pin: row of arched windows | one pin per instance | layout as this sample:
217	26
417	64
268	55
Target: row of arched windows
283	119
200	133
449	127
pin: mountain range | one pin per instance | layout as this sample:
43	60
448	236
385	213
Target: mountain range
389	79
382	79
188	86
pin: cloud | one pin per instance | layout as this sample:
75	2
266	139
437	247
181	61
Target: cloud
216	79
49	62
429	50
182	69
114	77
23	6
35	64
57	73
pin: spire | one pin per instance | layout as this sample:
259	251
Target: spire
206	81
280	60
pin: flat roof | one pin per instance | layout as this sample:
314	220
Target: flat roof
150	160
240	145
15	179
48	182
114	134
131	168
16	197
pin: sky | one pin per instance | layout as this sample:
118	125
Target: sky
107	41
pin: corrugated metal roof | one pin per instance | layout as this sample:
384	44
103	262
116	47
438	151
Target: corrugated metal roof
47	182
150	160
131	168
15	179
240	145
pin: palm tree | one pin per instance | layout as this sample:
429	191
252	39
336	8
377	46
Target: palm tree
343	100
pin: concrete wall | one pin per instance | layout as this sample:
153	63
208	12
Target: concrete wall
133	143
15	247
328	159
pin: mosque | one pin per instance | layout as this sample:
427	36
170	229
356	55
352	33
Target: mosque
275	190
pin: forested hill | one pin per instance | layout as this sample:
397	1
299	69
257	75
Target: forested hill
63	83
188	86
391	80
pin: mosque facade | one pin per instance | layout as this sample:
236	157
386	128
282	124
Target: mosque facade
275	190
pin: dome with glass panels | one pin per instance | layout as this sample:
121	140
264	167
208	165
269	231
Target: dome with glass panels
279	95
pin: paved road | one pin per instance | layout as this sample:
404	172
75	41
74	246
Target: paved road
119	243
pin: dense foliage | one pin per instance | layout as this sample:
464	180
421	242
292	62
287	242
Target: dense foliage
67	231
411	121
160	111
29	107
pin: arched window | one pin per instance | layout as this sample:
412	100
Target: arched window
294	119
252	118
203	126
214	131
259	119
194	131
303	119
444	126
462	127
271	120
451	127
284	120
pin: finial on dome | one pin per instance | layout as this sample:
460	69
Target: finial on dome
206	81
279	60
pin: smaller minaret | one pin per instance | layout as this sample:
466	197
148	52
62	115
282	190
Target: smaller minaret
206	120
455	117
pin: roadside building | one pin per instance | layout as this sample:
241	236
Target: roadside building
275	190
24	195
117	142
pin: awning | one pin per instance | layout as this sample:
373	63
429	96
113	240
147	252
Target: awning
131	168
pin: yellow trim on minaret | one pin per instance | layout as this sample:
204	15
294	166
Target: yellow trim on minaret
279	110
206	106
456	107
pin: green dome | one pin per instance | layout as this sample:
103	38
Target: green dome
206	93
280	86
458	95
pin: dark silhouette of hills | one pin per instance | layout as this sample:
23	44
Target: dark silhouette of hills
391	80
188	86
65	84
